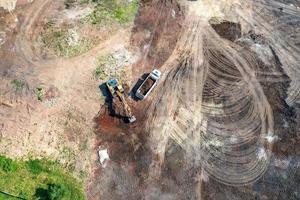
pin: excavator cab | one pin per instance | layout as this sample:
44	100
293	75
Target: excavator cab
112	85
117	89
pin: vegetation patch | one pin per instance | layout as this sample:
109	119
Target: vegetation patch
64	41
37	179
101	72
109	11
39	93
17	84
109	66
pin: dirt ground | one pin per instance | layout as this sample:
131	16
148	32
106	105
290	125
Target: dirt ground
61	126
223	122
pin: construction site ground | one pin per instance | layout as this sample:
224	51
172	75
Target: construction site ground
222	123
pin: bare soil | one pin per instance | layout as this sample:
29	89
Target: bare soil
223	122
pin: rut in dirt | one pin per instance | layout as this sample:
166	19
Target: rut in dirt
213	109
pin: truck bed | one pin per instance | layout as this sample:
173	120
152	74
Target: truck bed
147	85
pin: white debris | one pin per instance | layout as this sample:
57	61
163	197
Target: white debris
77	13
261	154
271	138
204	176
282	163
73	38
285	124
233	139
147	34
122	57
173	14
207	9
214	142
8	4
2	38
103	157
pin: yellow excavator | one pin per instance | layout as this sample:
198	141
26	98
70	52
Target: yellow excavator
117	89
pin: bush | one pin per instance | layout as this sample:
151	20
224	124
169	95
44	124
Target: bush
7	164
18	85
35	166
56	192
39	93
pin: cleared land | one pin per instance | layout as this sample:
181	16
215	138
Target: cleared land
223	122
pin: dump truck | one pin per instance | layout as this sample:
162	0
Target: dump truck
117	89
148	84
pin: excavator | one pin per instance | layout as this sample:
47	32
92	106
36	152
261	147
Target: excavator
117	89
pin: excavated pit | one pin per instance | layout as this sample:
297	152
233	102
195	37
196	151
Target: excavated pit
171	170
222	122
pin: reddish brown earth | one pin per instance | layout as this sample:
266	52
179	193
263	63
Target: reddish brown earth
128	142
155	34
147	86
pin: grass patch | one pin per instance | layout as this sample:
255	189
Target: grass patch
101	65
17	84
37	179
108	11
69	155
7	164
35	166
64	42
39	92
108	67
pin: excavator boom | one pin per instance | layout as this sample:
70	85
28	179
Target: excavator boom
116	89
127	109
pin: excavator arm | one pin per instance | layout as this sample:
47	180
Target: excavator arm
127	109
117	90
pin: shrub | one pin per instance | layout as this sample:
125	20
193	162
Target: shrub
18	85
7	164
39	93
35	166
56	192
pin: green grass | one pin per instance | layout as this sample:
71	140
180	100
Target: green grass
5	196
101	65
105	13
39	93
17	84
108	11
37	179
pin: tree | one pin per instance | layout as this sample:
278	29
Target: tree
56	192
53	192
